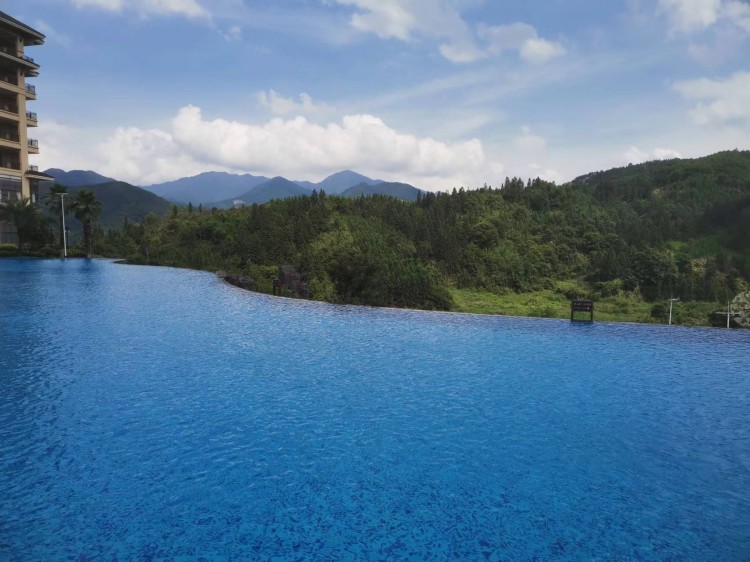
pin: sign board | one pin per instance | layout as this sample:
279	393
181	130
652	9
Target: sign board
581	306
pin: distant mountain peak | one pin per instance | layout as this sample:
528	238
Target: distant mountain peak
391	189
77	178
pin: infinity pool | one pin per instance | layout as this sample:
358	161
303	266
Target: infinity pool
154	413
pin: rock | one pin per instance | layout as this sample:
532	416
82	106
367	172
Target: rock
291	281
741	307
739	316
288	275
241	281
221	274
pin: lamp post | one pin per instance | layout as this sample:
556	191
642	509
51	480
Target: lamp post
729	310
672	300
62	212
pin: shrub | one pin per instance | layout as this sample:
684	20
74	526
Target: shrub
8	250
660	311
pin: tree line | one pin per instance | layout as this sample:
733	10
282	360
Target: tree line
686	233
679	227
34	226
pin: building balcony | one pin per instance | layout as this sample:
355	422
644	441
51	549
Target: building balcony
13	54
11	79
8	109
30	91
33	173
33	146
9	139
10	164
31	119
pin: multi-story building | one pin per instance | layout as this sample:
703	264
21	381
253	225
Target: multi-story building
18	179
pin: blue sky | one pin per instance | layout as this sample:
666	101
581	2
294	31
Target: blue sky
439	93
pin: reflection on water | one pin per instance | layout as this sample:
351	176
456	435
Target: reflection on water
151	413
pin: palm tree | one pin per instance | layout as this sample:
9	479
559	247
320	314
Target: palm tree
30	224
87	210
54	203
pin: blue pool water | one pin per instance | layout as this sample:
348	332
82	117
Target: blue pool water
159	414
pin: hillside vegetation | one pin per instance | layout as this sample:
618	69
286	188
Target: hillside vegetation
120	201
628	238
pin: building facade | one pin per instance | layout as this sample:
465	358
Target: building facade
19	180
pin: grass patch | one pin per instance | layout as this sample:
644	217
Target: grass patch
624	307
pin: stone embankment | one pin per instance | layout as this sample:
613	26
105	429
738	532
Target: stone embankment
241	281
289	282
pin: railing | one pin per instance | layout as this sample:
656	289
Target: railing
30	115
33	168
33	143
9	108
9	79
10	165
16	53
31	88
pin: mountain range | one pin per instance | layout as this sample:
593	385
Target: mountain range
221	188
224	190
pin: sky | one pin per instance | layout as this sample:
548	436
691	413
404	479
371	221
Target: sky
436	93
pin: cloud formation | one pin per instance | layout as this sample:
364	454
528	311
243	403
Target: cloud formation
279	105
292	147
529	142
719	101
441	21
145	8
693	15
520	37
635	155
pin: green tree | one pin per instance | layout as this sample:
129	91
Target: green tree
31	225
87	210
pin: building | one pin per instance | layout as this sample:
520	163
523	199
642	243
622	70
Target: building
18	178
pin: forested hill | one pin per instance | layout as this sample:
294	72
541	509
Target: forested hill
120	201
675	227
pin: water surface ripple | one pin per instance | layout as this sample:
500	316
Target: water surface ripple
159	414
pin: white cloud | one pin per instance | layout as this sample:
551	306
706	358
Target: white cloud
440	20
666	154
292	147
529	142
520	37
635	155
234	33
408	20
385	18
145	8
65	146
738	13
279	105
299	145
688	15
548	174
52	34
694	15
112	5
538	51
145	157
719	101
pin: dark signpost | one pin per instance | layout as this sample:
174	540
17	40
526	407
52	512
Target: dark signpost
581	306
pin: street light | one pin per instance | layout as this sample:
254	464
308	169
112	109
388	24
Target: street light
672	300
62	212
729	310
